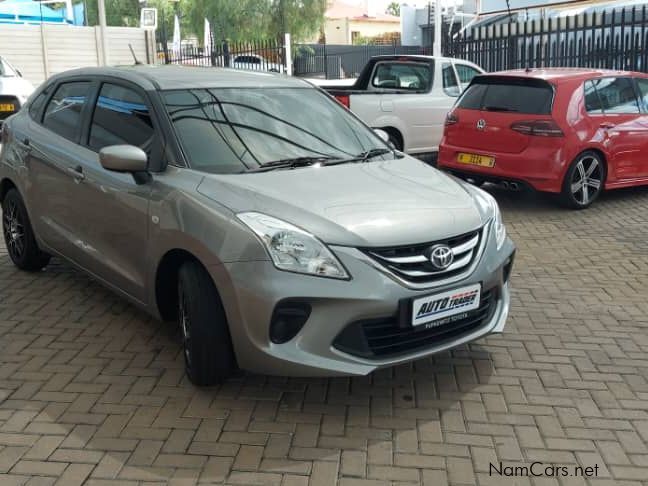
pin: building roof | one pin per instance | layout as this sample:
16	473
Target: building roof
341	10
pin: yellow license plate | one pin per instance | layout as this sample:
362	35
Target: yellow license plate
7	107
476	159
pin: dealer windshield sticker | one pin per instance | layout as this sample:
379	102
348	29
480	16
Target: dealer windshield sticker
440	306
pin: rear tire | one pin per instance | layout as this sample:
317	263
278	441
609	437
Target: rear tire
19	236
207	346
583	181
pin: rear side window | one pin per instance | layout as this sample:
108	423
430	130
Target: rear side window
63	112
615	95
121	116
643	91
450	84
403	76
516	95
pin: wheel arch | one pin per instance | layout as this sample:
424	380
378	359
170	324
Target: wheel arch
166	280
6	185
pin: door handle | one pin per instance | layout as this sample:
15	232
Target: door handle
607	125
76	172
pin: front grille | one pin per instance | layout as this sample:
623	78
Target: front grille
410	262
381	338
8	100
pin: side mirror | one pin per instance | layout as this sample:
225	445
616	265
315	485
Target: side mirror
123	158
384	136
126	158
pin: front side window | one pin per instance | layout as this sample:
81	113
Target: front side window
450	84
616	95
402	76
466	73
63	112
230	130
121	117
36	106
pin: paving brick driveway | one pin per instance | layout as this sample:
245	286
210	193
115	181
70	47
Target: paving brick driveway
92	390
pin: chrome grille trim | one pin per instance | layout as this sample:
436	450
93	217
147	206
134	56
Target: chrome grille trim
413	269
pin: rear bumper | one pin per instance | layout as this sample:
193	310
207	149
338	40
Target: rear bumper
538	167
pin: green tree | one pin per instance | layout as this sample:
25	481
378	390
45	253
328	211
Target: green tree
230	19
393	9
302	18
122	13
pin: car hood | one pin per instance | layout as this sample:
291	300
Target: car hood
372	204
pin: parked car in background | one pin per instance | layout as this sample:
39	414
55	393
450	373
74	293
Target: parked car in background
278	230
255	62
567	131
14	89
408	97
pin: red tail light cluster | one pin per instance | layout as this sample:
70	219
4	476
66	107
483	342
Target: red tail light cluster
451	119
343	100
538	128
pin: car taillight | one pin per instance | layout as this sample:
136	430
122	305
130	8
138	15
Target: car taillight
538	128
451	119
343	100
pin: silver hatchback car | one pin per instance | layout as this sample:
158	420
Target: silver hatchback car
280	232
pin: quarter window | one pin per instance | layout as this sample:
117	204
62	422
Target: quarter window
450	84
121	117
36	106
615	95
63	113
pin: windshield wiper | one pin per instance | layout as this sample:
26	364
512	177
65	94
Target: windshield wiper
498	108
364	156
292	163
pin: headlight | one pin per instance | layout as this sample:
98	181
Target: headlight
498	224
292	249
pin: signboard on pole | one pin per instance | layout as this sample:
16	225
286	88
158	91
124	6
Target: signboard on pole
148	18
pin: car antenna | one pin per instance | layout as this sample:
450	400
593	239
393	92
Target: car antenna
130	46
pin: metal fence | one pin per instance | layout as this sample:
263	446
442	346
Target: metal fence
343	61
615	39
264	55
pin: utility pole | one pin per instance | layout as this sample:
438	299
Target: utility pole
101	6
436	51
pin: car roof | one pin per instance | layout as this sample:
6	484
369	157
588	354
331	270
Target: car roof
162	77
560	75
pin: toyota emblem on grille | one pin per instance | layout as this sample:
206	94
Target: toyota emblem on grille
440	256
481	124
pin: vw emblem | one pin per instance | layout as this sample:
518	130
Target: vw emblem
481	124
440	256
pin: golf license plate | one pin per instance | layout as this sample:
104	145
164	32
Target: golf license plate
446	307
7	107
476	159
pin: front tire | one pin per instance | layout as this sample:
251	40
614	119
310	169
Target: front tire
207	346
19	235
583	181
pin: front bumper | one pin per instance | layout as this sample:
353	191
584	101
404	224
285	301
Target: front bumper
251	290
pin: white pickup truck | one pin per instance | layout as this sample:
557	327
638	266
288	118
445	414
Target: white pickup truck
408	97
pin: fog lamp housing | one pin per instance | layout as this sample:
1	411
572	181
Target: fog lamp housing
288	318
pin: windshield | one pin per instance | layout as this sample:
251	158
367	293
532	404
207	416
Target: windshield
231	130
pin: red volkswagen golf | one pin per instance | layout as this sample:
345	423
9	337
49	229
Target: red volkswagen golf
567	131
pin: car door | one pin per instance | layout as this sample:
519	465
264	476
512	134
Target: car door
112	205
53	156
642	86
614	110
